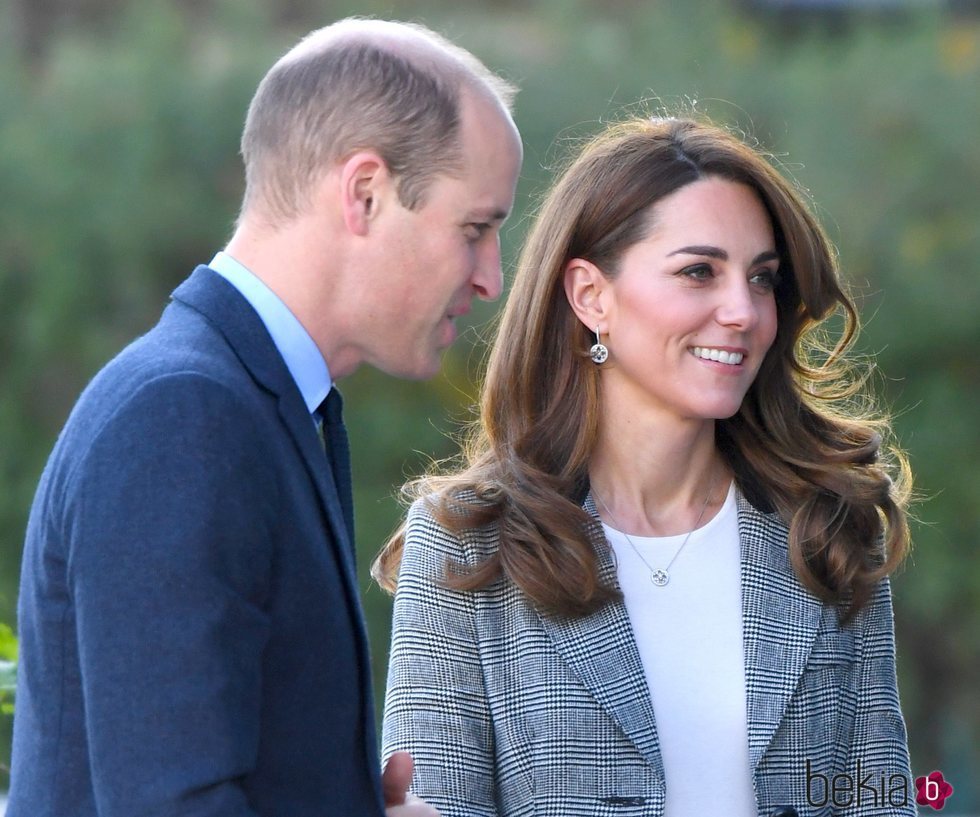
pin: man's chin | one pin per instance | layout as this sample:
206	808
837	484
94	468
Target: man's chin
424	369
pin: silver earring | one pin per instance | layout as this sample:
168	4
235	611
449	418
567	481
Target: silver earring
599	353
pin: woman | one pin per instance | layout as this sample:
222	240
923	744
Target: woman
656	585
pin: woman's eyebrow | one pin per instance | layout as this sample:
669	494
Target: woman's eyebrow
721	255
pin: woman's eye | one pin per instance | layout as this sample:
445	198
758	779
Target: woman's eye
767	279
698	272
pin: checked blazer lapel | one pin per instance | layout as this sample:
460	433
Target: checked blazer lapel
780	621
779	624
601	650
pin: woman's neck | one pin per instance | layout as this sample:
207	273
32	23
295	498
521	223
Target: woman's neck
653	475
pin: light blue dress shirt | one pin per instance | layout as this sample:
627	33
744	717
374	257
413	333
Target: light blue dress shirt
301	354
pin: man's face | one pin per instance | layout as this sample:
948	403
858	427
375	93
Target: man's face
440	256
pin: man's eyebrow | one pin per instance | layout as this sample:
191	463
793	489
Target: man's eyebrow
490	214
717	252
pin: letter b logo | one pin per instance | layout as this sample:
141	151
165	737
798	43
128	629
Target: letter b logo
933	790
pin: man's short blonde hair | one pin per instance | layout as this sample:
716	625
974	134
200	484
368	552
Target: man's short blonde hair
359	84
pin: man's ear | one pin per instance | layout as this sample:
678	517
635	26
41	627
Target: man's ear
586	289
364	181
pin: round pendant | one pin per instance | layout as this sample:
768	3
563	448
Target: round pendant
659	577
599	353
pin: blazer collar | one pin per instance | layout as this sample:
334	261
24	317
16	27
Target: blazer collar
231	315
780	620
601	650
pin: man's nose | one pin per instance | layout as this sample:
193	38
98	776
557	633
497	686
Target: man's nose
488	276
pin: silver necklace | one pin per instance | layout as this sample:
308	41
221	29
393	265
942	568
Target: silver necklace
659	575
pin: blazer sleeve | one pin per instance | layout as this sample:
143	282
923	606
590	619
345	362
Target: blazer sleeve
168	514
879	741
436	703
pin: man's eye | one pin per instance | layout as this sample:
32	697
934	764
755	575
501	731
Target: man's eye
476	231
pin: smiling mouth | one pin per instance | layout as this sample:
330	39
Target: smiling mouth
717	355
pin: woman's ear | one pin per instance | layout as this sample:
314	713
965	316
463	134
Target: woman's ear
364	181
585	289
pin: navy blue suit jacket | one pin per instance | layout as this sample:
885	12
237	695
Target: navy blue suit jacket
192	642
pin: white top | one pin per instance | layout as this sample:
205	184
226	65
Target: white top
689	635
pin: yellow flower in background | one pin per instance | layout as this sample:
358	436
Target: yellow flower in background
959	50
919	243
8	669
740	42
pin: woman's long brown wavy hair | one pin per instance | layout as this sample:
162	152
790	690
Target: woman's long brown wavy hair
806	442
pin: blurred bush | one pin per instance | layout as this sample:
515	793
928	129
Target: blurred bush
119	173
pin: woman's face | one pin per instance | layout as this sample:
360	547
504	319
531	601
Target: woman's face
692	312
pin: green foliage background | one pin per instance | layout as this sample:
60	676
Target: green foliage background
119	172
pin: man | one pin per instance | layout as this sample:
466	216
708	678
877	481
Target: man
192	642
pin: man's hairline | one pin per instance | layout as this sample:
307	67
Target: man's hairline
422	52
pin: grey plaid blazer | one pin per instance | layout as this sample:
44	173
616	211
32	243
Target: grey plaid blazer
508	712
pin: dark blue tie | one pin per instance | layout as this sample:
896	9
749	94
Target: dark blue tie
331	411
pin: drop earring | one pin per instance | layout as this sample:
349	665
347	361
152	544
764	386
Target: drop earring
599	353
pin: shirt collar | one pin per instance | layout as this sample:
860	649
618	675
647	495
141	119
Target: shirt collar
298	350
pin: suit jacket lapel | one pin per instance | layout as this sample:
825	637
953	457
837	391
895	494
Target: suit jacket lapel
297	420
223	306
208	293
600	650
779	624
